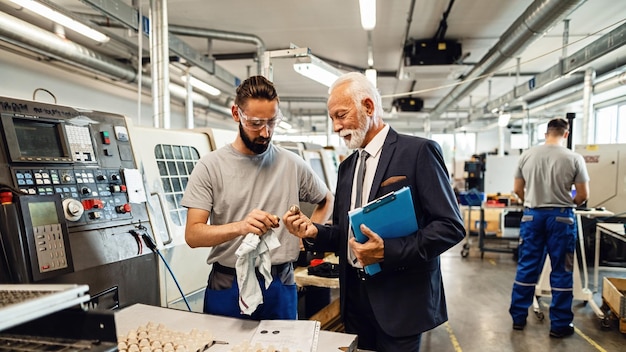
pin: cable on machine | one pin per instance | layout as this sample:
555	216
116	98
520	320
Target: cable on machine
148	240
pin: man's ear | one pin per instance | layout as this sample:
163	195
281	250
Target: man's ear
368	105
234	113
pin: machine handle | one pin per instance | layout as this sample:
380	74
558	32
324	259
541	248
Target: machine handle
164	212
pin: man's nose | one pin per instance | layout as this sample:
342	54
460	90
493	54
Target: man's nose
337	126
265	131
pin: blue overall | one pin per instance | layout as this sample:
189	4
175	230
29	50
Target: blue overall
551	230
280	301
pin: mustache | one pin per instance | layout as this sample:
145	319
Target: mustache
261	140
344	133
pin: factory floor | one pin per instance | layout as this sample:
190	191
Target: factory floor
478	292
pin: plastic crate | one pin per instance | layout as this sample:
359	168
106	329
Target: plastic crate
471	198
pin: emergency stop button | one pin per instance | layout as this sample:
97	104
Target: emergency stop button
123	209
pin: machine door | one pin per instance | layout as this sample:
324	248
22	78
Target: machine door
167	158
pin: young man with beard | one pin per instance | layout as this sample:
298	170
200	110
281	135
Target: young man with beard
389	310
241	189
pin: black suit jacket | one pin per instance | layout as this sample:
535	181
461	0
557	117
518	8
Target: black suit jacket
407	296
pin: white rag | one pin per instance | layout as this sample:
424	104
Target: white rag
251	248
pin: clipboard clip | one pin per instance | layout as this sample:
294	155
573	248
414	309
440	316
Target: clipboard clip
389	197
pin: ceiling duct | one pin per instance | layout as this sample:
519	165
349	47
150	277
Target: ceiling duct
224	35
32	38
536	19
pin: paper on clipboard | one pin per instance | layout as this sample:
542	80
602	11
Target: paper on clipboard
390	216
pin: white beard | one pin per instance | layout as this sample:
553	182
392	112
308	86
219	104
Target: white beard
357	136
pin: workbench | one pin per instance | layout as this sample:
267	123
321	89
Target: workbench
615	230
231	330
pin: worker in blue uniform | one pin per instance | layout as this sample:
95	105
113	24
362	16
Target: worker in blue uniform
544	180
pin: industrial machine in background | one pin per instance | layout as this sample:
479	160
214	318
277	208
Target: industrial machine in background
606	164
474	172
74	206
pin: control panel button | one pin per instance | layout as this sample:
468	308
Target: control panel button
105	137
73	209
123	209
93	204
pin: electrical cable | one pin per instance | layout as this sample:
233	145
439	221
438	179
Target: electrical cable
137	237
154	248
7	188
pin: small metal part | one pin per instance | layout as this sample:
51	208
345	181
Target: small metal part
294	209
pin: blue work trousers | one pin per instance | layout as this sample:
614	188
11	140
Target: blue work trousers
280	301
544	231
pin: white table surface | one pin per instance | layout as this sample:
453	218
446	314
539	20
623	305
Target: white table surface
234	331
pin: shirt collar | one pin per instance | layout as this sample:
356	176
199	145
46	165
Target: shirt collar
374	147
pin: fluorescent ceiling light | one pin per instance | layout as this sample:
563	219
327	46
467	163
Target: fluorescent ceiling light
205	87
368	14
62	19
316	69
371	74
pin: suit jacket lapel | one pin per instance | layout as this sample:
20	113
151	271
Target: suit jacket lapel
348	180
389	146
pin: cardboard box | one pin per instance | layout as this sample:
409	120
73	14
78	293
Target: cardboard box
491	219
614	295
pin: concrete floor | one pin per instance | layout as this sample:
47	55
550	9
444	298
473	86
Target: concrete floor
478	293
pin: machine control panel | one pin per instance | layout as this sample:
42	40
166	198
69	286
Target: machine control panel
100	192
84	161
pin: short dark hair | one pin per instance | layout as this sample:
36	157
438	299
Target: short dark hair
255	87
558	126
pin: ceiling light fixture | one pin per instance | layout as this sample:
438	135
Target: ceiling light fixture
316	69
368	14
203	86
62	19
371	75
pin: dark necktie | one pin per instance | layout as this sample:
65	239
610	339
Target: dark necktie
360	176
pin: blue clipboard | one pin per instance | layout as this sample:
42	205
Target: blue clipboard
390	216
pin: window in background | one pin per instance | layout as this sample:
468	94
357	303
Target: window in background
519	141
465	145
540	133
606	125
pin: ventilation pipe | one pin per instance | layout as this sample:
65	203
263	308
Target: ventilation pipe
224	35
538	18
590	77
159	63
576	93
29	37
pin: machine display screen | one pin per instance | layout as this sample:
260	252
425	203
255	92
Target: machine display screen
43	213
38	138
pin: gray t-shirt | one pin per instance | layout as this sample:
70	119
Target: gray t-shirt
549	172
229	185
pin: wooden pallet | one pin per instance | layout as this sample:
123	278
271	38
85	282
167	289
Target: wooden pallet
330	317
